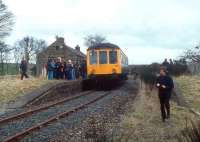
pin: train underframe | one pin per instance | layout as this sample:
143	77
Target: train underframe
103	82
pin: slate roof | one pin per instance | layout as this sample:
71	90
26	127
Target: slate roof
60	42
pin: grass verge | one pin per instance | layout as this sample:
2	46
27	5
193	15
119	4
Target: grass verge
190	87
11	88
143	122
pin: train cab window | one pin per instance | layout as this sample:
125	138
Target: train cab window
93	57
113	57
102	57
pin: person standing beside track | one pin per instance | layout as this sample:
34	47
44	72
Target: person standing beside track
50	69
59	69
71	72
165	84
84	70
23	68
66	71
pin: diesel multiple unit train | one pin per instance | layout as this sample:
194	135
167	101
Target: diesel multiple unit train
106	63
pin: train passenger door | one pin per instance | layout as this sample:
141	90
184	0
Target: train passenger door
103	62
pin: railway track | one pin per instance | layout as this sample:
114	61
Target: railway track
39	119
29	112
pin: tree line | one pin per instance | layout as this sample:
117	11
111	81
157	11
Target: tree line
27	47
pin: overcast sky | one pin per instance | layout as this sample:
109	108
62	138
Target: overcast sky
147	30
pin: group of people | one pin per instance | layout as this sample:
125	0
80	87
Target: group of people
65	70
168	65
58	69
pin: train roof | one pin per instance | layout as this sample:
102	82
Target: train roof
104	45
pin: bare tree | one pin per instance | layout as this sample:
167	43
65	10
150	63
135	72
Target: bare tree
192	55
92	40
40	45
28	47
17	57
6	21
6	24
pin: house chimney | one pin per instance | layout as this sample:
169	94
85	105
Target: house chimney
78	48
60	39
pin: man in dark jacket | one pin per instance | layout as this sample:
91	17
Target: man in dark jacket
59	69
23	69
165	84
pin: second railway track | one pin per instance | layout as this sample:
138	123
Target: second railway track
43	107
13	128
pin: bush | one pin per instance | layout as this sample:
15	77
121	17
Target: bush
148	73
178	69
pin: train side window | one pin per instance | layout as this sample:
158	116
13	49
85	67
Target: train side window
102	57
113	57
122	58
93	57
126	61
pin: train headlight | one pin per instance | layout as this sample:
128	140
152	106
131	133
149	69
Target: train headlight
92	71
114	71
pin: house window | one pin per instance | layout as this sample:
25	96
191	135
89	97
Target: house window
57	47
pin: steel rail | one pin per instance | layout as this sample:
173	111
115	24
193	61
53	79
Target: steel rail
38	109
38	126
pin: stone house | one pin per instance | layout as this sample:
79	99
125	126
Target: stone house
58	49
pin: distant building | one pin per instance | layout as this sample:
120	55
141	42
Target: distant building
58	49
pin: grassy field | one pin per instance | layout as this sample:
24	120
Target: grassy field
10	68
12	88
13	69
143	122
